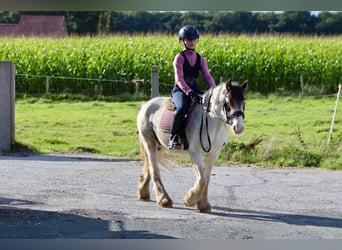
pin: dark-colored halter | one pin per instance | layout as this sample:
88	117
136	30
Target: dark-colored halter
230	115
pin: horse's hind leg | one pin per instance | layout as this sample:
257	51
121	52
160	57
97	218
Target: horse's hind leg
143	188
151	170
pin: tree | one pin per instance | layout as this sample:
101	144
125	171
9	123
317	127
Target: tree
223	22
197	19
104	24
329	23
265	21
145	22
94	22
295	22
169	21
83	22
9	16
118	21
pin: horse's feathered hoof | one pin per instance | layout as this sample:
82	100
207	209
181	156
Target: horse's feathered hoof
205	209
144	197
165	202
188	204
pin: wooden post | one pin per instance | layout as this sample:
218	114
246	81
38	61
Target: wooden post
7	105
154	82
334	115
302	84
47	87
97	92
136	89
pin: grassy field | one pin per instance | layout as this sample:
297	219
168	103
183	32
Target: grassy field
279	131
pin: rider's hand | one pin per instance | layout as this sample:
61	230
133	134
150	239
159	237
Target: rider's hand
195	97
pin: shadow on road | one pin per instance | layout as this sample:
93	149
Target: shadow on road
60	157
293	219
23	223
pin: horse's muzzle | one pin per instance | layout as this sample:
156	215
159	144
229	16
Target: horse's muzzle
237	125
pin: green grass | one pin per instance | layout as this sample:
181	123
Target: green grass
96	127
278	131
288	132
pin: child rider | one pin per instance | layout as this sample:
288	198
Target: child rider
187	65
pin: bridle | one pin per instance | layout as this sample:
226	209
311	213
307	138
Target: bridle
229	115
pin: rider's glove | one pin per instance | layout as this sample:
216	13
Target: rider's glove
195	97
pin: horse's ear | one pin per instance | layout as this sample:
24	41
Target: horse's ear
244	85
228	85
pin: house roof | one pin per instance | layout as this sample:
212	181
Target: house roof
7	29
36	26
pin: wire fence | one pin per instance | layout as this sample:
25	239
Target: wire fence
135	87
44	85
95	87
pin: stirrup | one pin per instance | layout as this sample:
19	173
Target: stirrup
173	143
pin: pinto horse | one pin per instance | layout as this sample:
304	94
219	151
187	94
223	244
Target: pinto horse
221	107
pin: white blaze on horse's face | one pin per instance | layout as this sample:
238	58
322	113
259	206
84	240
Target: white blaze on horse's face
237	125
237	121
236	105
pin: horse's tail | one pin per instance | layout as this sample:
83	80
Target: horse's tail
164	160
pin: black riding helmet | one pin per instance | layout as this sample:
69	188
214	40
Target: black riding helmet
188	32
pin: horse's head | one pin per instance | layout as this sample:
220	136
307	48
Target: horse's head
227	103
234	105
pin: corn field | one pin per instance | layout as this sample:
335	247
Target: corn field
270	63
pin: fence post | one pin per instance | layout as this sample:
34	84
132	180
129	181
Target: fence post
97	92
7	102
154	82
302	84
47	86
334	115
136	89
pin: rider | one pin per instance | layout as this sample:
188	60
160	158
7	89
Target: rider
187	65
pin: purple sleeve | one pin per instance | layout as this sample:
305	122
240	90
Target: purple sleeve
206	74
179	75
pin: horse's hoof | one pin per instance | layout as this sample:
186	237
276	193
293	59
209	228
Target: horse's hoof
188	204
166	203
144	196
205	209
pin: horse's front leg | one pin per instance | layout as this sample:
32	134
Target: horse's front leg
203	204
195	193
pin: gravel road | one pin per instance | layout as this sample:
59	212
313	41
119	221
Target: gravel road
86	196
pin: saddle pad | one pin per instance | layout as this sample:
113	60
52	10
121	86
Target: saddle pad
166	120
167	116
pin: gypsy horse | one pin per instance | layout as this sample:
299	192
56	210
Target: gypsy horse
221	107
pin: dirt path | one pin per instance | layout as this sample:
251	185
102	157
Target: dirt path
77	196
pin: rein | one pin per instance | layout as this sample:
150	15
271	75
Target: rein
206	123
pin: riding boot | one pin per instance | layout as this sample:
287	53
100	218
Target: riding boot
174	140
